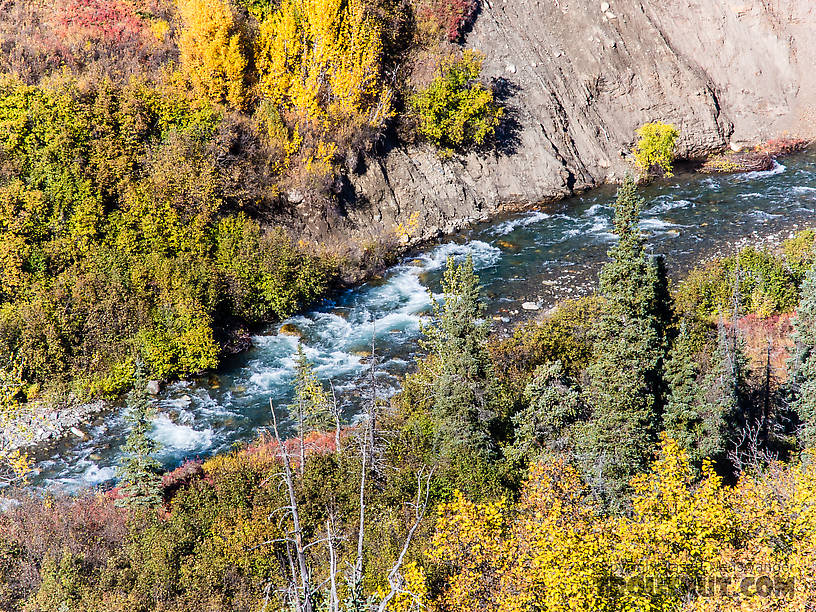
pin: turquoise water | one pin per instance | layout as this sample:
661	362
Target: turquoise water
540	256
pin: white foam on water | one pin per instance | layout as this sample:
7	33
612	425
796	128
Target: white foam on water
268	378
484	255
176	438
595	210
76	478
763	216
96	475
664	207
599	225
333	364
505	227
801	190
656	225
757	174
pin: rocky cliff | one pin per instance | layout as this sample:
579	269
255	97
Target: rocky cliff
578	77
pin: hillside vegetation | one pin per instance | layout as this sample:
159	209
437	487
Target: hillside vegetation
145	148
638	449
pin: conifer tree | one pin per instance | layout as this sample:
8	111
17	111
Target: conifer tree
802	365
463	389
624	391
703	409
139	469
553	404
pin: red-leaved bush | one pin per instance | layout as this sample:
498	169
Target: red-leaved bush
783	146
113	21
111	37
448	16
89	527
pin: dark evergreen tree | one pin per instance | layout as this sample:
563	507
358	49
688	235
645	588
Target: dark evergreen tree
139	470
625	387
552	406
705	408
464	392
802	366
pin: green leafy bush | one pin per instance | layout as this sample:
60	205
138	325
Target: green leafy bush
762	283
654	150
118	240
798	252
456	111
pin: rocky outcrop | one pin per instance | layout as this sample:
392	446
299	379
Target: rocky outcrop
578	77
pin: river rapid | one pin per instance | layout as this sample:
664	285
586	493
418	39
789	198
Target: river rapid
541	257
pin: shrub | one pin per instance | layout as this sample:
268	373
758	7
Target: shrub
446	17
766	286
117	241
654	150
212	47
456	111
731	162
111	21
109	37
563	336
798	252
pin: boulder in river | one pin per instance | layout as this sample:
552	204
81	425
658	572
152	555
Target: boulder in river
153	387
290	329
530	306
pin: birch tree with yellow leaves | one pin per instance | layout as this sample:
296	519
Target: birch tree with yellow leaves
213	50
686	545
322	62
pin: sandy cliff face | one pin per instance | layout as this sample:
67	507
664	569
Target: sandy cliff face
579	76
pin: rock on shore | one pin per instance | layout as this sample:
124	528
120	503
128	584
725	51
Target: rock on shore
40	425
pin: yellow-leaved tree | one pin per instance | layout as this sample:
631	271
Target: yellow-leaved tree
321	62
213	50
550	552
673	541
684	545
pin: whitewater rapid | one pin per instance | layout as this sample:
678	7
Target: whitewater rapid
540	256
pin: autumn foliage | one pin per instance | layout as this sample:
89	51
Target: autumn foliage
213	50
686	545
446	17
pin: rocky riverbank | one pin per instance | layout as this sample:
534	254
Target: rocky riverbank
577	78
41	425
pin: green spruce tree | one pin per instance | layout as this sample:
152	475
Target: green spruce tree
625	387
802	366
464	393
552	405
139	470
704	408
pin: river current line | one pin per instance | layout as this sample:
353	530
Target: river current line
536	258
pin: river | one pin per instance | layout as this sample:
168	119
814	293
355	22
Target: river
541	256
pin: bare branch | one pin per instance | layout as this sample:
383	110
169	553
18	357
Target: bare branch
420	507
301	557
